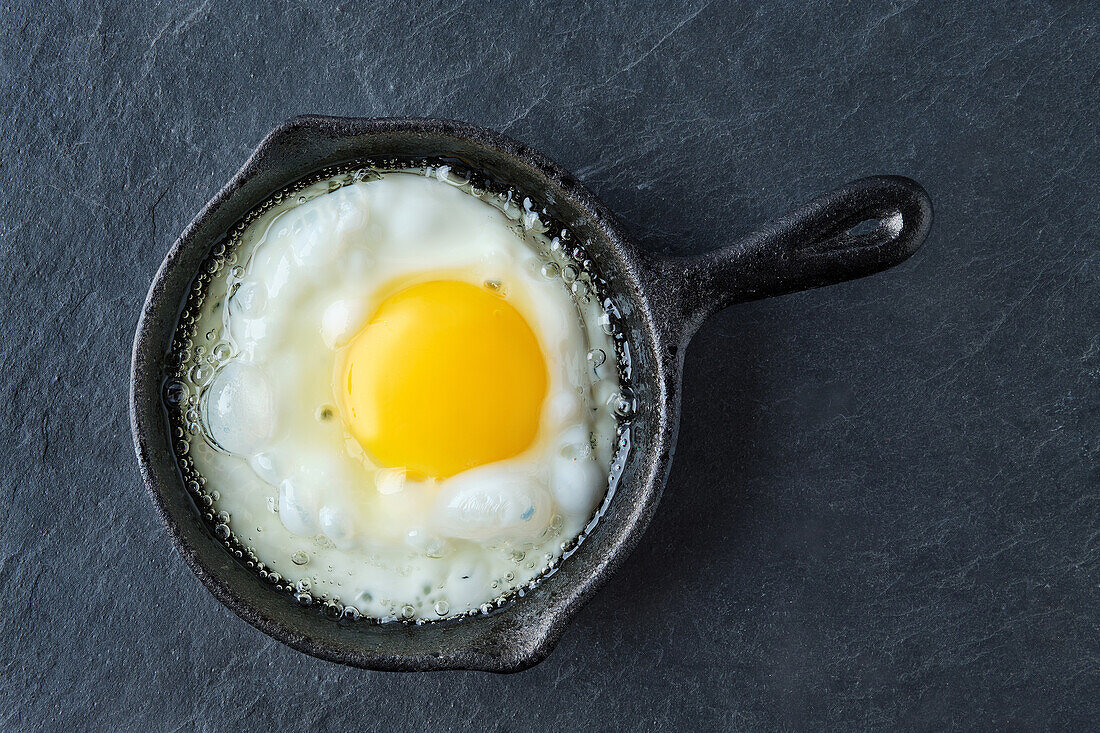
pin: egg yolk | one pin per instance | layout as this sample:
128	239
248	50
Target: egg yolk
444	377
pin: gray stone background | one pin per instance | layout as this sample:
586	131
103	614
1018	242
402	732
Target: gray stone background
884	507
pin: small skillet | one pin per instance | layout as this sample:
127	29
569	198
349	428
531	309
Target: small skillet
858	229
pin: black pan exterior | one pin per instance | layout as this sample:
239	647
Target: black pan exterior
856	230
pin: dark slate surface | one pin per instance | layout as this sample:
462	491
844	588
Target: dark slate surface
883	511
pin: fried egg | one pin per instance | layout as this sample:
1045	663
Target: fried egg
405	405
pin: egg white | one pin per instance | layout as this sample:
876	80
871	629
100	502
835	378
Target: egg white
302	494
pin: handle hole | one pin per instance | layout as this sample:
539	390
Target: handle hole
870	232
867	226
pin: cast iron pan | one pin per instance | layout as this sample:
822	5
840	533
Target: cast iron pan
858	229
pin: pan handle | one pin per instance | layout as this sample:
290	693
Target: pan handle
859	229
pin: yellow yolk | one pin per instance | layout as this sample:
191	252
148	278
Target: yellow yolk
445	376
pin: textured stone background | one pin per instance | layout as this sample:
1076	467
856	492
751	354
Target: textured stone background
884	507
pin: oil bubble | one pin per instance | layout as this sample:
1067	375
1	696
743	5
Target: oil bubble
222	351
434	549
622	404
175	392
201	374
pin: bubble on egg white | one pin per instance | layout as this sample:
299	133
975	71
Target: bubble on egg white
240	408
300	497
353	209
336	524
390	480
575	442
298	507
394	515
427	542
340	321
272	268
493	502
574	474
563	408
266	467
